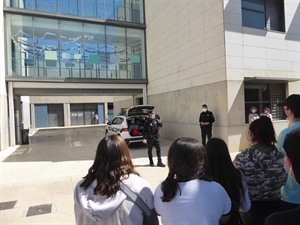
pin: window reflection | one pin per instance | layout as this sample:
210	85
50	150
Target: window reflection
121	10
53	48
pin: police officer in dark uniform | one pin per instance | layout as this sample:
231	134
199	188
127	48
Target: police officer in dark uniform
206	120
150	135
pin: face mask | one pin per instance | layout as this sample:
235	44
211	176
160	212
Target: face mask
153	116
204	109
253	111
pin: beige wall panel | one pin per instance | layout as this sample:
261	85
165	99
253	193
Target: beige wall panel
175	49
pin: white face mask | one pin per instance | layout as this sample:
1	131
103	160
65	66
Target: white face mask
204	109
253	111
153	116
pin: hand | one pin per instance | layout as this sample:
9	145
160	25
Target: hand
145	141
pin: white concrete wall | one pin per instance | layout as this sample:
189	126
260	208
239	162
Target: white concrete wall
258	53
199	52
4	131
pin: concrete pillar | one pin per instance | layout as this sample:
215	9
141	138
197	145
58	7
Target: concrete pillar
11	110
67	115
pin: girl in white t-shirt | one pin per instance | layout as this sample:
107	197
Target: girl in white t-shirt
186	196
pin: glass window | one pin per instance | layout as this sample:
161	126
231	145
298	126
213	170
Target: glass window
20	45
94	49
263	14
116	51
117	121
47	6
264	95
71	57
121	10
253	19
257	5
57	48
46	43
136	54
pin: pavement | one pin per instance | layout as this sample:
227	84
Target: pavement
38	179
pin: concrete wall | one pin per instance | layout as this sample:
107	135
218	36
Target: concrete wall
186	65
4	131
199	52
258	53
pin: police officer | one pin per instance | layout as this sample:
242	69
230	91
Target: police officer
206	120
150	135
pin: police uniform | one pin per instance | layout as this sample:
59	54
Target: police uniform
206	129
150	133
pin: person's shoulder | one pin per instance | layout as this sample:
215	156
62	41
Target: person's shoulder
136	181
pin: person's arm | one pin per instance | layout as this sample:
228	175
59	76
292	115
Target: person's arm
145	128
280	141
212	118
245	201
227	204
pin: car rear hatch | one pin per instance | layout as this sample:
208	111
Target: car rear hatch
138	110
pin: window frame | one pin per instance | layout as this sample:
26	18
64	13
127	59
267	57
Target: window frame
268	22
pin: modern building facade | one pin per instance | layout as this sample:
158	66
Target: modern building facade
229	54
176	55
64	60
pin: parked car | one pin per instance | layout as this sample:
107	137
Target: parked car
130	125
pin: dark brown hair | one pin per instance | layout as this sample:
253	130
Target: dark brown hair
112	161
186	161
263	131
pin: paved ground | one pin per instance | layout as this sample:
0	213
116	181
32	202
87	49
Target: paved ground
37	180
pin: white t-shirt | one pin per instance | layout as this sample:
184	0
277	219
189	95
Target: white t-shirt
200	202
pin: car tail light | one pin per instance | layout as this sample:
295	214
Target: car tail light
124	129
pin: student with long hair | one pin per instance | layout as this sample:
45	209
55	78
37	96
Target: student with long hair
187	196
221	169
262	165
99	199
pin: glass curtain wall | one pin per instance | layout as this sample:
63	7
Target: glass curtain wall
40	47
120	10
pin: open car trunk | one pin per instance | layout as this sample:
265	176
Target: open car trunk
136	125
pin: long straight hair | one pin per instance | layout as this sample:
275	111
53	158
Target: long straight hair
221	169
112	161
186	161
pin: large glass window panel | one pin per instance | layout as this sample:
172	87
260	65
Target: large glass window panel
47	6
121	10
46	40
71	53
116	51
253	19
56	48
134	11
136	54
94	51
89	8
20	46
257	5
100	9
